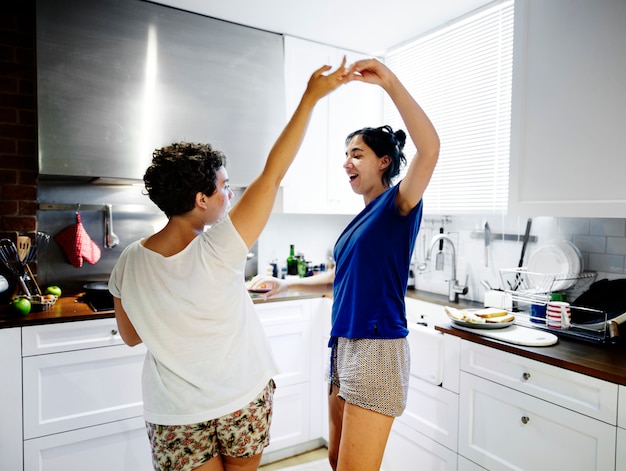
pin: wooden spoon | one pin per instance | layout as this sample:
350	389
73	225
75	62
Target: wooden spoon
23	247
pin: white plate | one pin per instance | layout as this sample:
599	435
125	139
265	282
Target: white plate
555	266
485	326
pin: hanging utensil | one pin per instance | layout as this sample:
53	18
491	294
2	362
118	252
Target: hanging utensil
11	260
487	242
518	276
440	256
422	265
23	247
110	238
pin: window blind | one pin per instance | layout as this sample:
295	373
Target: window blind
461	76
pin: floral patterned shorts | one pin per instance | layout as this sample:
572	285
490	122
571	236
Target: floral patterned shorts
242	434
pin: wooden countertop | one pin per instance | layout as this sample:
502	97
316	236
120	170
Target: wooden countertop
71	308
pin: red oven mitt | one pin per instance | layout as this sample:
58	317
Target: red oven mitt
77	244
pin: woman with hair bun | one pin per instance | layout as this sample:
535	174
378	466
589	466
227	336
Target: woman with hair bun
370	361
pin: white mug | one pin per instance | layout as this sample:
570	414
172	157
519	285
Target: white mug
558	315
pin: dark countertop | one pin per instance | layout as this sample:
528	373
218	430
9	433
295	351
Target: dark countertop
607	362
71	308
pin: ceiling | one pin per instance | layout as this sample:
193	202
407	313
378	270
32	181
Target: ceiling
368	26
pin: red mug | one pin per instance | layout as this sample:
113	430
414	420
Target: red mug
558	315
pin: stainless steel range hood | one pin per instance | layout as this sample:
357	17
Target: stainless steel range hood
119	78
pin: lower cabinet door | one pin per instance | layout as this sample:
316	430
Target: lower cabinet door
408	450
290	418
503	429
433	411
620	462
116	446
82	388
467	465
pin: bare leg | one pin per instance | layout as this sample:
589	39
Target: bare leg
227	463
357	436
335	419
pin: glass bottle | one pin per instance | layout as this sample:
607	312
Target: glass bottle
292	262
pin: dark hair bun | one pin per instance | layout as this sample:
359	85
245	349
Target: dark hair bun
400	137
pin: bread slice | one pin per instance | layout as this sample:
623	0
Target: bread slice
491	312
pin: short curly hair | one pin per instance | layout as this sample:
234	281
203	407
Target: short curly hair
178	172
384	141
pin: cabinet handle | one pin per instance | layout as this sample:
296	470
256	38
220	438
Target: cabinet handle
525	419
113	332
526	376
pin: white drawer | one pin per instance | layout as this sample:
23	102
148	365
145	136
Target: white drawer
590	396
433	411
621	408
119	446
273	313
70	390
504	429
66	336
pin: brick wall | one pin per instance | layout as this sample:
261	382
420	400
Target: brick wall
18	118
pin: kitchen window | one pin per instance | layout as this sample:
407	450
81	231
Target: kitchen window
461	75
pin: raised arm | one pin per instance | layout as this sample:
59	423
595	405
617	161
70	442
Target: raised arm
251	212
418	126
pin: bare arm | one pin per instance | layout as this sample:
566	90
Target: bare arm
419	128
127	331
318	284
250	213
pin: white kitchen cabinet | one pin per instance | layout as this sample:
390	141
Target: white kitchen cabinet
121	446
82	405
584	394
408	450
621	407
466	465
71	390
504	429
432	411
10	399
568	114
289	329
316	182
620	455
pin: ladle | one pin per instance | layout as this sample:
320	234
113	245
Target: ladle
110	238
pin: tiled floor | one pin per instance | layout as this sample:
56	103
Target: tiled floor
316	460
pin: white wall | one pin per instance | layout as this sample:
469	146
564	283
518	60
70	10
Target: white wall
601	241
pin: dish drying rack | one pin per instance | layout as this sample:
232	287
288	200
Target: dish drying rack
529	288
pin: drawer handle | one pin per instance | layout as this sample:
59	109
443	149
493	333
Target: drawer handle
525	419
113	332
526	376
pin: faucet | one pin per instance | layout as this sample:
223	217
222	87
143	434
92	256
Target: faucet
454	288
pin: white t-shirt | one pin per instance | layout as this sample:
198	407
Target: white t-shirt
207	355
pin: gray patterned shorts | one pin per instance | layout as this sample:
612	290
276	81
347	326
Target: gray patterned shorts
372	373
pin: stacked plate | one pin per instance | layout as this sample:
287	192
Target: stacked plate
555	266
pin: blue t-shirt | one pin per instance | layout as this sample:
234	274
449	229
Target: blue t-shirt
372	257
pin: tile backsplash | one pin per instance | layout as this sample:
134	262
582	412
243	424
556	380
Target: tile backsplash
602	243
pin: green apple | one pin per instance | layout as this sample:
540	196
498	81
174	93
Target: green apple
21	306
55	290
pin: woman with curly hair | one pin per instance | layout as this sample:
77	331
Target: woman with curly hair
369	361
207	378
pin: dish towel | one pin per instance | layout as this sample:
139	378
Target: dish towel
77	244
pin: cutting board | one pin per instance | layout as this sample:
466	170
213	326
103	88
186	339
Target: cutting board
515	334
